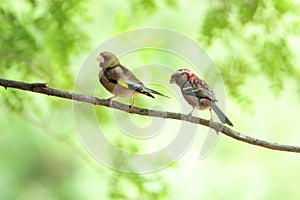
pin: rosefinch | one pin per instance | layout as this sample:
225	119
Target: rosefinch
197	93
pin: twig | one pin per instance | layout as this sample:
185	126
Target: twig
43	88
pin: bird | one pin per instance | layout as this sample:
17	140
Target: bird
198	93
119	80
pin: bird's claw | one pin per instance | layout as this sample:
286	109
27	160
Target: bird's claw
190	116
110	102
131	108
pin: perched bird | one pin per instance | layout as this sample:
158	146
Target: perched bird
197	93
119	80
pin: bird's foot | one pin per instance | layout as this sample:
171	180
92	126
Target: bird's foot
110	102
131	107
190	116
211	121
132	104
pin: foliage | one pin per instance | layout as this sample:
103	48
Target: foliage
256	38
38	40
41	39
136	186
144	7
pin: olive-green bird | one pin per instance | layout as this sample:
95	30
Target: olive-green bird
119	80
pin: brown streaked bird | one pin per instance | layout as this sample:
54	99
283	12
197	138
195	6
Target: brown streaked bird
119	80
198	93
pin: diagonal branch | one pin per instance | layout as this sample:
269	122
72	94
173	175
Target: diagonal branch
44	89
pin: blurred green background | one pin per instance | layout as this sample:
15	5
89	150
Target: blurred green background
255	46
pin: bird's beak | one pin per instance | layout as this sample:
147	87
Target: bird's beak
172	80
100	59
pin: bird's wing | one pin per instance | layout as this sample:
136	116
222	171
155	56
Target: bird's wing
199	88
123	77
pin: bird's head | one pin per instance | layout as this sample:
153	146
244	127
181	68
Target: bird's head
181	76
107	59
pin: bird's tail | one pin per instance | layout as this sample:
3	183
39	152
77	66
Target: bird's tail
220	114
155	92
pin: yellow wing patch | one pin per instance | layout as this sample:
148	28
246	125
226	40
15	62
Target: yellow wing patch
123	84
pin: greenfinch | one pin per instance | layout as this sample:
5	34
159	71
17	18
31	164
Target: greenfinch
119	80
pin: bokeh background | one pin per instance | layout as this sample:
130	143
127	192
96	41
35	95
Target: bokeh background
254	45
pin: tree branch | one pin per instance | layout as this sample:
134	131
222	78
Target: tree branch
44	89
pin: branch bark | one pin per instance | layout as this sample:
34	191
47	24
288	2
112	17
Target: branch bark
44	89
